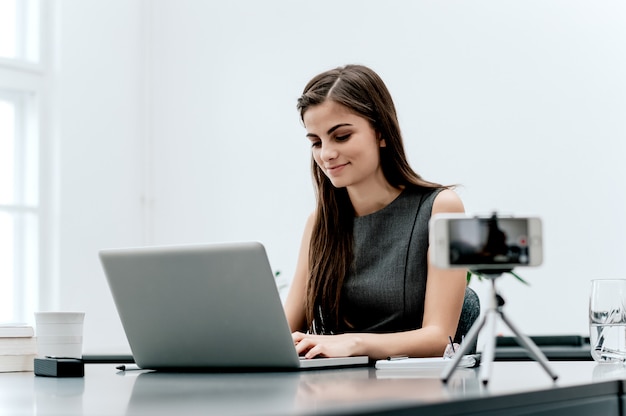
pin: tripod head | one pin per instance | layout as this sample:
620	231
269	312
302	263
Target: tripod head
491	273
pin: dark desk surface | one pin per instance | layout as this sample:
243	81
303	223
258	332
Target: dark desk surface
583	387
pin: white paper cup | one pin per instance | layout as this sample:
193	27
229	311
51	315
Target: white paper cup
59	334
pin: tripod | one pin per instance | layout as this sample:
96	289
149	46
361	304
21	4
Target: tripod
489	321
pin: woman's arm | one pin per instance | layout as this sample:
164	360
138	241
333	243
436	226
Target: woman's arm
294	304
445	290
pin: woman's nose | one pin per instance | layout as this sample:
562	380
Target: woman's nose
329	152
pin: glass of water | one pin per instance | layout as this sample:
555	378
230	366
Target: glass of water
607	320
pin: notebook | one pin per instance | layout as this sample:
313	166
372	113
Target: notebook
204	307
467	361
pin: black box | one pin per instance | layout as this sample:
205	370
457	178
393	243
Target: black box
59	367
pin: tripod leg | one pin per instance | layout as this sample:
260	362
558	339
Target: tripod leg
471	337
490	347
530	347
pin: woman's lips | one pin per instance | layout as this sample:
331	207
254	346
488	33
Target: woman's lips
334	170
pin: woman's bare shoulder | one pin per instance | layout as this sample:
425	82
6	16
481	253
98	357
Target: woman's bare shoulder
447	201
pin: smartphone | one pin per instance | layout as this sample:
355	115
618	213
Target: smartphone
485	242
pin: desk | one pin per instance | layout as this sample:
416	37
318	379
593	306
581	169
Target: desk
514	388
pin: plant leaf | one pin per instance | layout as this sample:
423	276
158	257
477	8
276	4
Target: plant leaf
470	273
518	277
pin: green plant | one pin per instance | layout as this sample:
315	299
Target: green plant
481	276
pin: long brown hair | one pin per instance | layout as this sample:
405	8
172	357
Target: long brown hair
330	254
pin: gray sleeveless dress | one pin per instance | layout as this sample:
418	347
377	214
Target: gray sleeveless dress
385	287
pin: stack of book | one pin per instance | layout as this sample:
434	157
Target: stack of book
18	347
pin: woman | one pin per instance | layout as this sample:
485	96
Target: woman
363	284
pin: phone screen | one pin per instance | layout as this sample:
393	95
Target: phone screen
488	241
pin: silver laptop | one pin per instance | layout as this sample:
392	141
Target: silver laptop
206	307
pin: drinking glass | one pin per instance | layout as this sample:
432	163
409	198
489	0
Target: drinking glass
607	320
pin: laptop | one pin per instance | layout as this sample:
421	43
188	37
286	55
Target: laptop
204	307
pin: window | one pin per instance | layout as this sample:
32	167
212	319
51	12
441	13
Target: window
21	86
19	30
19	211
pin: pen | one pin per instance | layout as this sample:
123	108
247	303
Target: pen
127	367
397	357
451	343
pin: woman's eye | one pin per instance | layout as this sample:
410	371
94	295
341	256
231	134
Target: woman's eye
342	138
316	144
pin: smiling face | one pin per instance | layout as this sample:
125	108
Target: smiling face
344	145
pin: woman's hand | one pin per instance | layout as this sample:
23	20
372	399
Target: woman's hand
311	346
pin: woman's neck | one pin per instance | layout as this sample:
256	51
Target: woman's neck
368	200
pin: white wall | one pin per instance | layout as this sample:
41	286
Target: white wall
97	77
191	105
